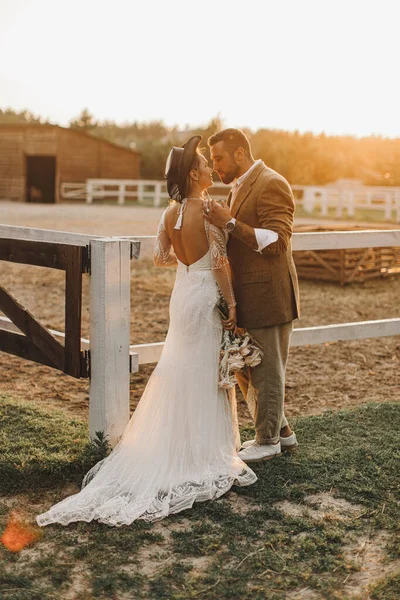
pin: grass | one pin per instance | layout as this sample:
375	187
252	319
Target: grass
37	445
388	589
239	547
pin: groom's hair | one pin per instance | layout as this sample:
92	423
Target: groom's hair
232	138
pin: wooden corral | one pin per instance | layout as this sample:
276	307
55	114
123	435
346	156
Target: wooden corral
345	265
36	159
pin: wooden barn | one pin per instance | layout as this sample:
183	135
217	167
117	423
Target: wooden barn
36	159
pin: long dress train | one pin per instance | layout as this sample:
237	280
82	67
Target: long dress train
179	445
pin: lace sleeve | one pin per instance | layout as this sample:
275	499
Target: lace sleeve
219	262
163	254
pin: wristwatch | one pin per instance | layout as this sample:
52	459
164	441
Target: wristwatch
230	226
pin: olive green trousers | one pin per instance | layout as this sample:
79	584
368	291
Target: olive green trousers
263	386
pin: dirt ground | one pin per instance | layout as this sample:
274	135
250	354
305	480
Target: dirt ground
319	378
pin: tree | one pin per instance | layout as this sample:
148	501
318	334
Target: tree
10	115
85	121
303	158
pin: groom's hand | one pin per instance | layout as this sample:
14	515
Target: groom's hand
217	214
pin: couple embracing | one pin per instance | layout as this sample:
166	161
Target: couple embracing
179	446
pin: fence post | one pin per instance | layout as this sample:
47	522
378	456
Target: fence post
157	194
140	190
324	203
388	206
109	337
121	193
308	199
397	197
339	205
89	192
350	204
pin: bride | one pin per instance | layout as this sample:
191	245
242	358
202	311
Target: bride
179	446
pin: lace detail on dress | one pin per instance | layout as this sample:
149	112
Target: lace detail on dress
217	239
123	507
163	255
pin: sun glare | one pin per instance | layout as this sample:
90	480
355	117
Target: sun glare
309	66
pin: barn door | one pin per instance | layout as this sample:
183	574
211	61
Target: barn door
41	178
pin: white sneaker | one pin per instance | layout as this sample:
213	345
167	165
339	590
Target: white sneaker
257	452
288	444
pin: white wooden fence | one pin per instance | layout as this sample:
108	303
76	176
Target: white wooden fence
312	198
112	357
121	190
367	198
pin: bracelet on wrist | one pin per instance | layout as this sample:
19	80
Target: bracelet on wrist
232	305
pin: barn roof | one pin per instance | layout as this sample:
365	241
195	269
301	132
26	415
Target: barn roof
70	130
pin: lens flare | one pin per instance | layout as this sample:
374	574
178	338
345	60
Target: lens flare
18	534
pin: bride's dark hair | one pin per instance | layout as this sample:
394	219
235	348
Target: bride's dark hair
195	165
177	196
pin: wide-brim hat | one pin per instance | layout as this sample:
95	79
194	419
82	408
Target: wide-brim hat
178	166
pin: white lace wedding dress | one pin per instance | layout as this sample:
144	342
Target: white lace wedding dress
180	445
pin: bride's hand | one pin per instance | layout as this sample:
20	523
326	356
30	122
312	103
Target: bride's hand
217	214
230	322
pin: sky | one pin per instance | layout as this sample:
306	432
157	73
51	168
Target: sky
307	65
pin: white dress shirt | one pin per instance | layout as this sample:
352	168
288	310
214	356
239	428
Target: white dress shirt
264	237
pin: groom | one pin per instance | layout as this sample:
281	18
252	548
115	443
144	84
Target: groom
259	219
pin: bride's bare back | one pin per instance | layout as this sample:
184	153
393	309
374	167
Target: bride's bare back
190	242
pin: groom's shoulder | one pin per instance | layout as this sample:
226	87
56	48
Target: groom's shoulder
270	177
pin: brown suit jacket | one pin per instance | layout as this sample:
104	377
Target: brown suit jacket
265	285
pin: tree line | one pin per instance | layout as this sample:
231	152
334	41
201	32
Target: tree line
303	158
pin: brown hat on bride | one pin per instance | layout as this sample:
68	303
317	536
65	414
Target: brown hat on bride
178	165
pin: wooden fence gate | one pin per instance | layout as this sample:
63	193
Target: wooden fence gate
37	343
106	359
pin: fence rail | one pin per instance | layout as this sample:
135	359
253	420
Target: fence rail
309	335
326	240
312	198
302	336
122	190
366	198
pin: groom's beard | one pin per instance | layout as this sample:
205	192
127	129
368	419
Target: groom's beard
228	176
